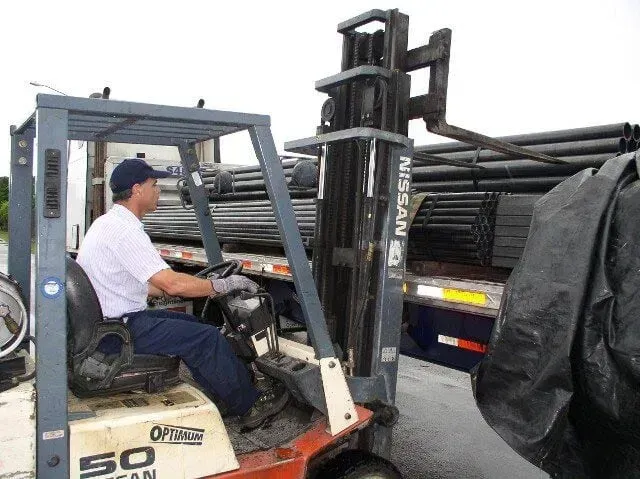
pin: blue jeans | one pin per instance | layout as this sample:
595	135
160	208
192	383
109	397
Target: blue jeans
203	349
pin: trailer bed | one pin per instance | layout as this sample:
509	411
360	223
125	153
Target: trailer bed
442	290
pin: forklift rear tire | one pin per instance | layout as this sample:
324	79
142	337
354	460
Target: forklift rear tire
357	465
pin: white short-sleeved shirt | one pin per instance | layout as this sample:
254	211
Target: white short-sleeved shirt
119	259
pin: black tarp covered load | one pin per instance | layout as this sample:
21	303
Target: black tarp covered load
561	380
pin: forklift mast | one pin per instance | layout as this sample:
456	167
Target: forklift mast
364	197
356	215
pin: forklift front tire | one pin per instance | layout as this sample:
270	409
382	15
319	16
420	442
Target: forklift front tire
357	465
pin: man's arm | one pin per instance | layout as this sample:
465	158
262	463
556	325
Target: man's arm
180	284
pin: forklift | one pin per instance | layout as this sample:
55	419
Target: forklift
131	416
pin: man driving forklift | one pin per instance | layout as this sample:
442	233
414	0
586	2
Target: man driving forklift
124	268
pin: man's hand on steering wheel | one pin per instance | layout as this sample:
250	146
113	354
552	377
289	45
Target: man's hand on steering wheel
233	284
225	278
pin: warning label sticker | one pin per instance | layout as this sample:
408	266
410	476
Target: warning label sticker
389	355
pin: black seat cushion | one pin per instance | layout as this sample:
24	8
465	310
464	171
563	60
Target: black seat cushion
83	307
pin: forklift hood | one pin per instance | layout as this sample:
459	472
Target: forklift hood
560	382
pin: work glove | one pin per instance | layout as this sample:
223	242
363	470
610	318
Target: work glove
233	284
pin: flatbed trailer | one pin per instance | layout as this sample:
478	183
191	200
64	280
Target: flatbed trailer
448	318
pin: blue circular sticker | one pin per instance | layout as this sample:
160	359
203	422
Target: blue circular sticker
51	287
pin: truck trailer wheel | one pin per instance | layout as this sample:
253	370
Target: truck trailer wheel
357	465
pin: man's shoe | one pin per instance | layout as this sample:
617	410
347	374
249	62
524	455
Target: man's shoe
269	403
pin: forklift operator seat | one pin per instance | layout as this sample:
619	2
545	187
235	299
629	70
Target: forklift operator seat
92	373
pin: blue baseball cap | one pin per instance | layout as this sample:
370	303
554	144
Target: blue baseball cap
131	172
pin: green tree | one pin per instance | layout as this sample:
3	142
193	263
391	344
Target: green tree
4	188
4	215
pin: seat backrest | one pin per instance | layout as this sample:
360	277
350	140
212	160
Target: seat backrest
83	307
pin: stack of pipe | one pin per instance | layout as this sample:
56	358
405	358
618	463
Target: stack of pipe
457	221
454	227
579	148
235	222
513	218
246	183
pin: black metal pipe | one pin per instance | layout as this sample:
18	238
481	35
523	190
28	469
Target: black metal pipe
426	205
216	210
309	223
441	227
432	237
230	197
221	221
248	168
217	216
511	168
256	229
237	186
623	130
261	221
261	202
223	207
250	233
534	184
239	237
461	220
477	195
239	176
248	206
424	237
224	228
453	211
222	236
557	150
256	195
243	204
260	214
465	244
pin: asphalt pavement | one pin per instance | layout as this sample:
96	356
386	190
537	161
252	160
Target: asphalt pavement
440	434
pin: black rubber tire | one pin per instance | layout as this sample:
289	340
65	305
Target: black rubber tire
357	465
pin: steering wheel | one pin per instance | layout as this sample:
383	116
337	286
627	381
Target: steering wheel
228	268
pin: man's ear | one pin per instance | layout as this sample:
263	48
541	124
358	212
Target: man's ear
135	189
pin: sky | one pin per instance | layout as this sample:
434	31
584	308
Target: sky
515	67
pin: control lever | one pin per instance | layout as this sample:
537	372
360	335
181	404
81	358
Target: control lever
272	336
